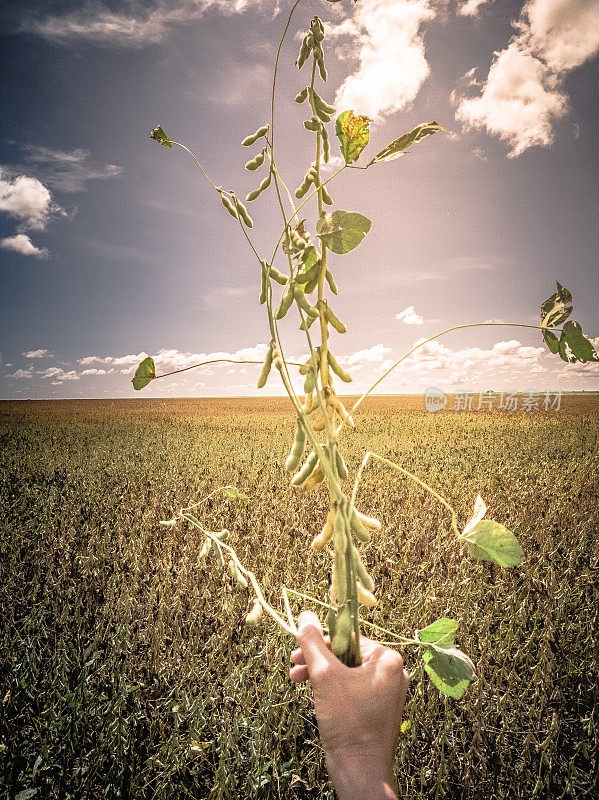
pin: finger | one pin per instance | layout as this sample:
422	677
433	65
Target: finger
299	674
297	657
312	643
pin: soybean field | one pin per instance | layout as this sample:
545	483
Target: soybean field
126	670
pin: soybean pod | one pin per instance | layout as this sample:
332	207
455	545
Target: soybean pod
278	276
326	147
297	449
286	301
339	371
257	161
266	368
264	284
309	465
257	192
335	321
299	98
341	467
358	529
300	299
326	197
242	211
331	282
229	206
363	576
255	136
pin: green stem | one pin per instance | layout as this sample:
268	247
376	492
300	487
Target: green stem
215	361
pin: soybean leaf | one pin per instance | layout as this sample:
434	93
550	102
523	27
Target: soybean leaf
145	373
234	493
436	669
341	231
557	308
551	341
490	541
452	663
160	136
399	146
353	135
439	632
580	347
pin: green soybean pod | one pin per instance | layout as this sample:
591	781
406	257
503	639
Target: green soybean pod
320	103
359	530
303	53
308	467
300	299
326	197
297	448
363	576
237	574
310	382
309	288
339	371
257	161
286	301
255	136
243	212
331	282
302	189
341	468
265	369
322	68
264	284
331	622
278	276
222	535
228	205
257	192
322	115
312	124
305	326
326	146
299	98
335	322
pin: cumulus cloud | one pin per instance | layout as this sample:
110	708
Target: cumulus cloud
385	38
28	200
522	96
57	375
133	25
21	243
37	354
409	317
469	8
21	373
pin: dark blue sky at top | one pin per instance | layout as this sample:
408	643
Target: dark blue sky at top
148	259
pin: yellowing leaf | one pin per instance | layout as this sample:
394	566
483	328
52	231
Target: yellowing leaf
490	541
399	146
353	134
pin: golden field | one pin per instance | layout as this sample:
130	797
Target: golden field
126	670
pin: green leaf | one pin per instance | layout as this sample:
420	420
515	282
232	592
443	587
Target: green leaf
452	663
551	341
581	348
557	308
160	136
353	135
145	373
436	669
399	146
438	632
234	494
341	231
490	541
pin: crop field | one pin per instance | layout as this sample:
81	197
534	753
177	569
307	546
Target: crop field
126	670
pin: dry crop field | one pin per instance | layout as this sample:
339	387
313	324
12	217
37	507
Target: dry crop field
126	671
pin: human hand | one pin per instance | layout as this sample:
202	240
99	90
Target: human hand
358	709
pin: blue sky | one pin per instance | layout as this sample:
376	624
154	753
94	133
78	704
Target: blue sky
112	247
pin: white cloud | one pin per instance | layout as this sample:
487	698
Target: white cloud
37	354
27	199
522	95
58	375
409	317
135	25
21	373
385	38
370	355
21	243
469	8
68	171
93	372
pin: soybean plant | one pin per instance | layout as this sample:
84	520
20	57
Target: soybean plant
305	277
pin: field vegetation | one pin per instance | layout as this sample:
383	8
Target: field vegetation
125	667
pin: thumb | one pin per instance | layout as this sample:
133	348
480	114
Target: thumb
311	640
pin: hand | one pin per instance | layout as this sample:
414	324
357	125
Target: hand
358	709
